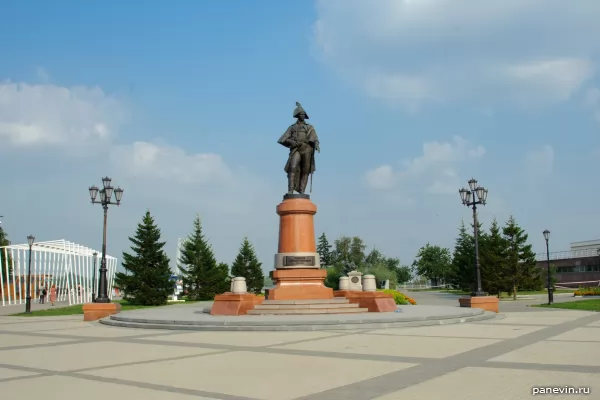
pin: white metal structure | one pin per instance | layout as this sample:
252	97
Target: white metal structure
67	265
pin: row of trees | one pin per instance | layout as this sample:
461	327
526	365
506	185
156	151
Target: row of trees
349	253
147	276
507	261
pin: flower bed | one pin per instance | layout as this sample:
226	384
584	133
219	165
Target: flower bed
588	291
399	298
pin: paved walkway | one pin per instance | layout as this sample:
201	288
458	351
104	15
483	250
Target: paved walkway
500	359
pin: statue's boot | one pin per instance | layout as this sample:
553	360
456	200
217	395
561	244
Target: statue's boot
291	180
303	183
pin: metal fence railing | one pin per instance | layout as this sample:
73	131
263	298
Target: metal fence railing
563	255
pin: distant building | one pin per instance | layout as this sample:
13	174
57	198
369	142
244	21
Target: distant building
579	266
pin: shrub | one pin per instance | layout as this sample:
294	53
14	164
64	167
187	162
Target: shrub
588	291
399	298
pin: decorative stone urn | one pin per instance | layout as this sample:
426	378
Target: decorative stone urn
344	283
238	285
369	284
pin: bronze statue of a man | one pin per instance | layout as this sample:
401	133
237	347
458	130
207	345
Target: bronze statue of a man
302	140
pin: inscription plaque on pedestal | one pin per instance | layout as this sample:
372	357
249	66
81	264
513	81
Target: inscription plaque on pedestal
293	261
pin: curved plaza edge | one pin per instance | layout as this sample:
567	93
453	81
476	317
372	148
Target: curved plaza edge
195	318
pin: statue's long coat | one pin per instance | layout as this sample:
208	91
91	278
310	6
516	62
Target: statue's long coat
302	133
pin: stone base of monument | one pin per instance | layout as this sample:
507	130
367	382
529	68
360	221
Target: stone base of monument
487	303
299	284
304	307
235	303
186	318
372	301
96	311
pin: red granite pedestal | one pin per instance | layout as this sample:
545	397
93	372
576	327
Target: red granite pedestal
234	303
487	303
96	311
373	301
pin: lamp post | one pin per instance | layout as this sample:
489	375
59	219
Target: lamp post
30	240
106	194
550	289
94	278
472	197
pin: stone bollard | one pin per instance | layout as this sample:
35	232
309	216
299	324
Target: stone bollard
369	284
238	285
344	283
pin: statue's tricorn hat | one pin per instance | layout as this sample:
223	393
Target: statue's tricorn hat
299	110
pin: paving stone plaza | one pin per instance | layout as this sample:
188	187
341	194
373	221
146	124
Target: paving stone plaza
496	359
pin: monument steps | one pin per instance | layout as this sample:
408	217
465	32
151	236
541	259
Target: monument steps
304	307
305	311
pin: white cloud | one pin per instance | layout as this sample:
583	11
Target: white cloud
163	162
435	171
414	52
37	115
540	162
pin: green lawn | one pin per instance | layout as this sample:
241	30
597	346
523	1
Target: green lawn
585	305
75	310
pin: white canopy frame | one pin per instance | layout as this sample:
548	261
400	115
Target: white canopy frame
67	265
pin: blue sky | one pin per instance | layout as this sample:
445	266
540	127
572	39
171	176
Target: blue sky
182	104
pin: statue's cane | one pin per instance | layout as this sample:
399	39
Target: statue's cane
312	163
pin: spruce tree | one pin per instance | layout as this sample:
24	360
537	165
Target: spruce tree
246	265
324	250
492	257
147	278
521	266
202	276
463	260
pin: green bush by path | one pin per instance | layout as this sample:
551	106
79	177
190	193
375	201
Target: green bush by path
399	298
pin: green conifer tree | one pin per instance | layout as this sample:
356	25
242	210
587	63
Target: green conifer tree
521	265
147	277
247	265
324	250
203	278
492	257
463	260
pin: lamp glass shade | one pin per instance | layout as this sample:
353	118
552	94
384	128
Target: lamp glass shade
109	192
485	193
118	194
106	181
546	234
95	254
479	192
469	194
30	240
93	192
463	195
473	184
102	195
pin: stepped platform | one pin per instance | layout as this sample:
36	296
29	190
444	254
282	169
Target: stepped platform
307	307
190	317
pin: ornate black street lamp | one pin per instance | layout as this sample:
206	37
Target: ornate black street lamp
94	278
106	194
472	197
30	240
550	288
